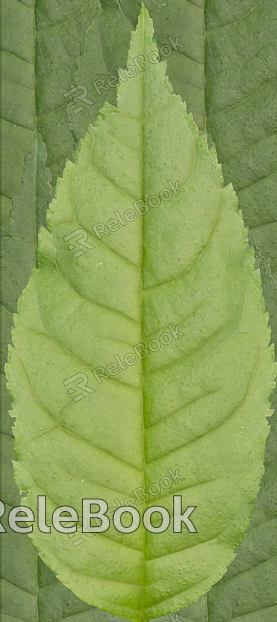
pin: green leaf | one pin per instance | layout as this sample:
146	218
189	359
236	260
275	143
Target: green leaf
56	602
230	12
18	233
199	405
241	67
81	43
180	24
35	91
248	590
241	100
66	37
242	118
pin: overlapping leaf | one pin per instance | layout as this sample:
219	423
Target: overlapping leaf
18	234
241	117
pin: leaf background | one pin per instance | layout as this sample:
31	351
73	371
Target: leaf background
226	71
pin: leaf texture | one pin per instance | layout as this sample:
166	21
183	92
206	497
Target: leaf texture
199	404
18	234
104	33
91	39
179	25
76	36
255	207
241	118
241	44
66	37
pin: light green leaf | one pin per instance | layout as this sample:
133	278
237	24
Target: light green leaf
199	404
33	90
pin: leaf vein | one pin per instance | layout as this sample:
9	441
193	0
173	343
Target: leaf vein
183	550
95	302
112	181
22	589
257	181
66	430
260	88
234	21
219	425
263	608
246	570
18	56
198	256
180	409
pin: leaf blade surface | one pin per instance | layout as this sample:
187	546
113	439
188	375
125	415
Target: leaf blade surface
130	288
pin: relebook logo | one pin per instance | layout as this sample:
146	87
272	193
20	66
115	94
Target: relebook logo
95	519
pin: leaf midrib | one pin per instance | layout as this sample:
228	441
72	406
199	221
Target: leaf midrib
141	309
